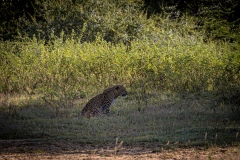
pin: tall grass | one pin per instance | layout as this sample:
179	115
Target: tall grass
170	62
98	44
64	71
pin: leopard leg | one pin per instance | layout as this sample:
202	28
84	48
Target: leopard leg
106	109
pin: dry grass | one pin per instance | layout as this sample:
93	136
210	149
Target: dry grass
64	150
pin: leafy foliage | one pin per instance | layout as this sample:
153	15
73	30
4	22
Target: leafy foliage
219	18
65	70
116	21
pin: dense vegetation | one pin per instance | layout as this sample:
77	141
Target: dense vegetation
55	55
114	19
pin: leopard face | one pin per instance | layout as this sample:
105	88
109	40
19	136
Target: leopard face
100	104
115	91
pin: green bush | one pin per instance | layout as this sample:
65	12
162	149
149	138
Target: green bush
172	63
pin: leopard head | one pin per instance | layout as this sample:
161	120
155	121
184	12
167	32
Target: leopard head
117	90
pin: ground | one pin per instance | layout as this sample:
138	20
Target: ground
176	129
34	149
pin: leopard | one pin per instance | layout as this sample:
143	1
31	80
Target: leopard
101	103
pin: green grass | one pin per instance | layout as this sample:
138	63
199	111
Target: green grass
178	121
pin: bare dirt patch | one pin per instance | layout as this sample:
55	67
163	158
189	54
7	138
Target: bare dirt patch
33	149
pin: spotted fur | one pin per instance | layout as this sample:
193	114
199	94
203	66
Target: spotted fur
100	104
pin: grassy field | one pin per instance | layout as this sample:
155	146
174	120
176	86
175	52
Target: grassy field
163	126
161	118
